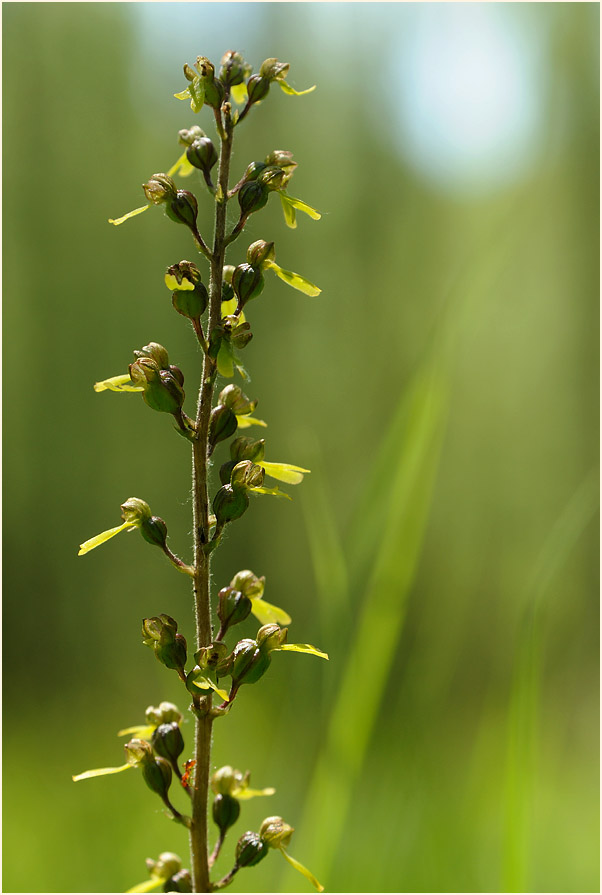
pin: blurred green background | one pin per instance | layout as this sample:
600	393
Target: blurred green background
443	390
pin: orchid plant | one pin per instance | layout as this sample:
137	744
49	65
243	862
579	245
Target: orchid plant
217	314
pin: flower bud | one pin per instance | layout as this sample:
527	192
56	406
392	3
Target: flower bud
167	864
226	780
273	177
248	583
163	713
222	424
250	850
156	352
135	511
271	637
202	154
233	397
249	664
173	655
252	196
260	251
247	475
157	776
254	170
225	812
183	209
233	606
187	136
138	751
229	504
257	88
271	68
275	832
170	648
233	69
228	271
154	530
247	283
160	188
179	882
168	742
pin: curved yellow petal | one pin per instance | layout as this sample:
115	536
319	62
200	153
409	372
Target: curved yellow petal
290	91
294	279
268	614
101	772
97	540
275	492
244	794
239	93
130	214
245	421
300	205
183	94
284	472
205	683
148	885
306	873
290	216
303	648
142	731
181	167
121	383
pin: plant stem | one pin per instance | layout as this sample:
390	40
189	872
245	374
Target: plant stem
204	634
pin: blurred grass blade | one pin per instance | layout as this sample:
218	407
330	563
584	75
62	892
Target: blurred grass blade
407	481
521	745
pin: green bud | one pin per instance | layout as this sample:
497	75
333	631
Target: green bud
167	864
156	353
163	713
233	397
249	664
247	283
227	273
250	850
226	780
202	154
187	136
247	475
173	655
248	583
273	177
245	448
135	511
275	832
229	504
138	751
257	88
160	188
225	811
233	69
233	607
183	209
168	742
160	629
271	637
260	251
179	882
222	424
271	68
157	776
154	530
252	196
254	170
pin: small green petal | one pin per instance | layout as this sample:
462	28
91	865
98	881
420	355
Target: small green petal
290	216
181	167
101	772
121	383
244	794
284	472
306	873
300	205
148	885
183	94
239	93
245	421
141	731
197	94
205	683
275	492
268	614
290	91
129	215
294	279
303	648
97	540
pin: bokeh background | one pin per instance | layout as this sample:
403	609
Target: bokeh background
443	390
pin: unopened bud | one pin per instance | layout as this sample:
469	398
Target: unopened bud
229	504
260	251
233	397
183	208
233	69
163	713
249	663
247	283
160	188
222	424
226	780
167	864
233	606
225	812
179	882
248	583
168	742
157	776
188	135
154	530
257	88
271	637
252	196
250	850
202	154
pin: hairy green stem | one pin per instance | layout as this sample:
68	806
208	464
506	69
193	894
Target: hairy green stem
200	465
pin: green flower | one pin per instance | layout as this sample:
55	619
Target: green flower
277	834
